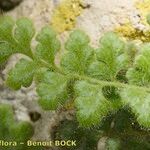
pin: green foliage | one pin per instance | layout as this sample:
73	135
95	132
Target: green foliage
21	75
124	132
140	72
52	90
91	104
6	26
69	129
23	34
139	101
110	58
79	55
113	144
48	45
10	130
135	143
103	81
18	37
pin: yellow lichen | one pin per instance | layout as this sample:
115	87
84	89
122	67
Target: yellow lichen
128	31
64	16
144	9
131	33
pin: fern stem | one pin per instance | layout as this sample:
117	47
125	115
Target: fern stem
102	82
110	83
95	81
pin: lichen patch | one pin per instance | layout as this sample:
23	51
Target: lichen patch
129	31
144	9
65	14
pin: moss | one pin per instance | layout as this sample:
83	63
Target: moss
64	16
128	31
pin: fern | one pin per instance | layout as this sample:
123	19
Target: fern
13	131
102	81
95	71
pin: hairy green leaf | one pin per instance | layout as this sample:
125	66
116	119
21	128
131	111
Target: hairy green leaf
10	130
6	28
17	37
48	45
77	40
21	130
91	104
79	55
21	75
23	34
52	90
5	120
110	58
6	38
5	52
140	72
139	101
